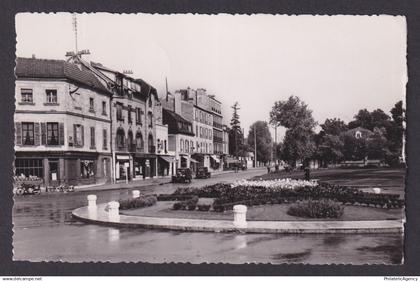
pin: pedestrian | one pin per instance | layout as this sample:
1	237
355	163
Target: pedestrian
268	169
307	173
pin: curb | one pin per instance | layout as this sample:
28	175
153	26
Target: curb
267	227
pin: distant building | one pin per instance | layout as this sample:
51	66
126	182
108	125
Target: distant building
62	123
180	139
359	133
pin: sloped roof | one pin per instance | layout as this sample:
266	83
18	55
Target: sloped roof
174	120
60	69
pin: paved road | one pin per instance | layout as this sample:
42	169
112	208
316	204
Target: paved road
45	230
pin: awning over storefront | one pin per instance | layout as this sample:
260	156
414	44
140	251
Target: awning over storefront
215	158
168	159
194	161
123	157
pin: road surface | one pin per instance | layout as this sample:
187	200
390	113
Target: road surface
45	231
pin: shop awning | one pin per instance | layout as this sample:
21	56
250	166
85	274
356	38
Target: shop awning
168	159
194	161
123	157
215	158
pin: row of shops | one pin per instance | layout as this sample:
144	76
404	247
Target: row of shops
89	168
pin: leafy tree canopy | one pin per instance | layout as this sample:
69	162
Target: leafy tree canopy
264	140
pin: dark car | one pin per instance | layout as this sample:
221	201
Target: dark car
202	173
182	175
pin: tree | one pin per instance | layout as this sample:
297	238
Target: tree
370	120
395	131
334	126
354	148
294	115
330	150
377	146
264	140
297	145
236	143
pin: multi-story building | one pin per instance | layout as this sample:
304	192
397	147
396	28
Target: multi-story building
216	109
62	123
180	139
135	111
194	106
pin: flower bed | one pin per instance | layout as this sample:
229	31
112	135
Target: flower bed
140	202
252	193
189	204
316	209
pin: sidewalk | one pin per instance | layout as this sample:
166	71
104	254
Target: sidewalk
140	183
124	185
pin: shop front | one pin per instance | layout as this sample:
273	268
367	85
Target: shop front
165	165
144	166
55	168
215	162
123	167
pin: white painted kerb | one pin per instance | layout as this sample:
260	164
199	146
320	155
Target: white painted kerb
239	216
114	211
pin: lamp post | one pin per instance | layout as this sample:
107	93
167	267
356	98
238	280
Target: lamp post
255	145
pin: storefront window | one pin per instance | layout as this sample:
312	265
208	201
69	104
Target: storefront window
29	167
87	169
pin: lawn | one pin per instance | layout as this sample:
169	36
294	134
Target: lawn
276	212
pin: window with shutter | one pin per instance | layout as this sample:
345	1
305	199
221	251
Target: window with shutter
92	137
18	133
52	133
105	140
83	134
61	133
27	133
37	136
43	134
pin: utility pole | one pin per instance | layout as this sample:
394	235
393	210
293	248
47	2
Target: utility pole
255	145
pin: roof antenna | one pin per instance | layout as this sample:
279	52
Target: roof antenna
75	30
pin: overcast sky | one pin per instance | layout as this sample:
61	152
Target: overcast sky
337	64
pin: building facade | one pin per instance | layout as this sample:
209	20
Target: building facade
180	140
135	118
62	123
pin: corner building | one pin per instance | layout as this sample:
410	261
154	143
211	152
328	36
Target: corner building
62	123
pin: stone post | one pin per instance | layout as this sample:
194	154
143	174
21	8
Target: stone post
136	193
91	201
239	216
92	208
377	190
114	211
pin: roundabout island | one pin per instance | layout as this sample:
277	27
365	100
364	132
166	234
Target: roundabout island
258	205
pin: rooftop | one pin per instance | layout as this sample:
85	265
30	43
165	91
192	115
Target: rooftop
59	69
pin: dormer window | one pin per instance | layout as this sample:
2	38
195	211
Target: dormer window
358	134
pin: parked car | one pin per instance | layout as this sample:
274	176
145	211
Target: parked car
182	175
202	173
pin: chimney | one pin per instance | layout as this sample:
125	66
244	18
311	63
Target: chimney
33	56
